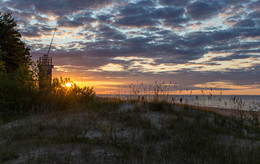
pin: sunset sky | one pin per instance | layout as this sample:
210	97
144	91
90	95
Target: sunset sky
108	44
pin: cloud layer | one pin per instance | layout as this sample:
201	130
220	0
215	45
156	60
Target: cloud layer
190	42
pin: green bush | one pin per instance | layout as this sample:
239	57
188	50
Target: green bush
17	90
74	93
19	94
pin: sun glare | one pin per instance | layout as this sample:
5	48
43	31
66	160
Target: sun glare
68	85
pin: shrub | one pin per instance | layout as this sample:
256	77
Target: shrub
19	94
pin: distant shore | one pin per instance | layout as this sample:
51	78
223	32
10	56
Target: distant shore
228	112
229	102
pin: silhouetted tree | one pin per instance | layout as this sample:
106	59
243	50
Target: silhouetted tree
13	51
2	64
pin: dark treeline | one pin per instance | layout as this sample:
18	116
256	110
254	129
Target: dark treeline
19	91
13	52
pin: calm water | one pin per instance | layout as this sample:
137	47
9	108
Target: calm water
243	102
231	102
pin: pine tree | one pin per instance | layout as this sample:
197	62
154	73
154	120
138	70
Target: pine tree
13	51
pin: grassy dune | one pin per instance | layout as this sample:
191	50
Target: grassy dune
114	131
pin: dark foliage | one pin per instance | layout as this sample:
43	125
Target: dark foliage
19	94
13	51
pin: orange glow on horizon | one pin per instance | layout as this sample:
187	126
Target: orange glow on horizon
114	88
121	87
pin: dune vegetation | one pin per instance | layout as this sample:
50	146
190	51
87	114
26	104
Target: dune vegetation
115	131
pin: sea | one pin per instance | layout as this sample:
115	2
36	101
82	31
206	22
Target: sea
239	102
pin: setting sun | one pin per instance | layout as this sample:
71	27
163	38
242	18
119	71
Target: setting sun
68	85
150	81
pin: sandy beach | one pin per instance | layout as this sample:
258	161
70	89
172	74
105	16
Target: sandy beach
229	112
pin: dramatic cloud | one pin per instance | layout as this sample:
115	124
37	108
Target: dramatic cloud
204	10
58	7
174	2
196	43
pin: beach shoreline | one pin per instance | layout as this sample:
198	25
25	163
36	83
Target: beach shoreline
244	114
